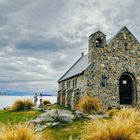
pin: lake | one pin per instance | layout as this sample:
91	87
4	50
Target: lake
8	100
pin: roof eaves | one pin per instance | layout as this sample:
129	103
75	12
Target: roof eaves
71	76
70	68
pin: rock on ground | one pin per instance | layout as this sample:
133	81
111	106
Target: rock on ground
65	116
54	117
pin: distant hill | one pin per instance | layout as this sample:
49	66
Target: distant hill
50	93
24	93
14	93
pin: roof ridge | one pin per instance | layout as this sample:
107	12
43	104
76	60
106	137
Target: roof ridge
96	33
124	27
72	66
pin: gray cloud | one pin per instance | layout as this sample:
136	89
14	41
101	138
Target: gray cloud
40	40
55	43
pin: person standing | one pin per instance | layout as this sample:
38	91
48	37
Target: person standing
41	99
35	99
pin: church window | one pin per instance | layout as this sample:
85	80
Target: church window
63	86
104	81
74	83
68	84
98	42
126	46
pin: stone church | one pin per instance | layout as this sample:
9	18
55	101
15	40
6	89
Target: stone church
111	69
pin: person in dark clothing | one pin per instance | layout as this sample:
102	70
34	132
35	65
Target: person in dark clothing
35	99
41	99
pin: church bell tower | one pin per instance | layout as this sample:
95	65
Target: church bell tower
97	41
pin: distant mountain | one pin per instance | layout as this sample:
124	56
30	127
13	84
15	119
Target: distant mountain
24	93
14	93
50	93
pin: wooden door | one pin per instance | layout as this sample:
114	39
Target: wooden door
125	89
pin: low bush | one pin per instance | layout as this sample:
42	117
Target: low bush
19	132
28	103
22	105
18	105
125	125
46	102
89	105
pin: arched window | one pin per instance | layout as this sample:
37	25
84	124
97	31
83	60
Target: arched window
74	83
98	42
126	46
63	86
104	81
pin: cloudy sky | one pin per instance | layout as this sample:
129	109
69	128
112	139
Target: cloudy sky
40	39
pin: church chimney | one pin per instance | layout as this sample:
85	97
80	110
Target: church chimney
82	54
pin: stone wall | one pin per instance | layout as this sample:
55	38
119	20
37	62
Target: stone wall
121	55
69	97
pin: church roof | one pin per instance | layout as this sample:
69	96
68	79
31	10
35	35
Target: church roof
82	63
77	68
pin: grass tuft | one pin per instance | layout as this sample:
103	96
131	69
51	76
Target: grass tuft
28	103
89	105
22	105
19	132
18	105
125	125
112	112
46	102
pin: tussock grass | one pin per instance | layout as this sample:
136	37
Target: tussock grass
28	103
19	132
128	113
46	102
125	125
112	112
18	105
22	105
89	104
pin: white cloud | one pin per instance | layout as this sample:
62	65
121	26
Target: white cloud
39	40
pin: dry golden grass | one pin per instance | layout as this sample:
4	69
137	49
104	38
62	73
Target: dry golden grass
128	113
46	102
89	105
22	105
112	112
19	132
18	105
28	103
125	125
